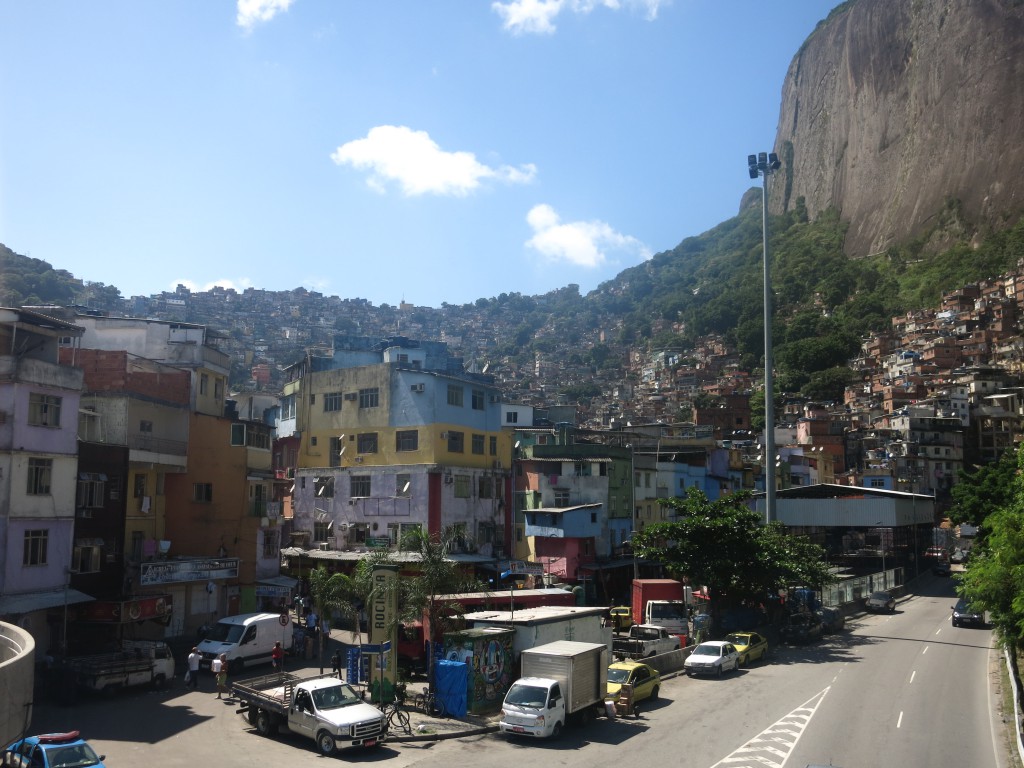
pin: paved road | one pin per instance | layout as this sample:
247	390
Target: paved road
902	690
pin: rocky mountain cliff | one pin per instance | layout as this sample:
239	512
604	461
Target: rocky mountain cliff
894	109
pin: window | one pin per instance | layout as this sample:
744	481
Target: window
486	487
322	529
332	402
478	445
270	545
161	478
218	388
494	445
512	417
462	487
145	426
876	482
89	494
366	442
403	483
455	395
334	453
140	486
34	547
561	497
369	398
456	442
325	487
86	559
407	440
202	492
360	488
43	410
204	383
478	399
40	472
238	434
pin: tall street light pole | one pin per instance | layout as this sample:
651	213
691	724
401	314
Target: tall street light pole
764	164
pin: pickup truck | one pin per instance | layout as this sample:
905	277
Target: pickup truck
645	640
322	707
140	662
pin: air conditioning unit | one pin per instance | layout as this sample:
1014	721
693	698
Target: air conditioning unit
351	396
418	387
359	459
324	546
444	435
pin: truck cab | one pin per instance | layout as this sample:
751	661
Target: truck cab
534	706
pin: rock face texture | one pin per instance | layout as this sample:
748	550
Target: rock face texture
893	108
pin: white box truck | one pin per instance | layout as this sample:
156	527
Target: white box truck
561	681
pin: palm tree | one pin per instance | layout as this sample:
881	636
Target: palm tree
333	592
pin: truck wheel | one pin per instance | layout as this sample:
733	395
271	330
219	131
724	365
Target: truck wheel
556	731
160	681
325	743
250	715
265	725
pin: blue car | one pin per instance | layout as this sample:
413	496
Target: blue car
51	750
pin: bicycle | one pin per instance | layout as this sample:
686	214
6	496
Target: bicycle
429	704
397	716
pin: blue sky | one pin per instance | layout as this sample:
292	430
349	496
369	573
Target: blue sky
421	150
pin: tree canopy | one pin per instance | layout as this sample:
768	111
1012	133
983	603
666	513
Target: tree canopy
726	546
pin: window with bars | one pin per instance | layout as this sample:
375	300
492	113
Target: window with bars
202	492
360	487
332	401
369	397
34	546
456	442
455	395
407	440
478	445
40	475
478	399
367	442
462	487
90	492
44	410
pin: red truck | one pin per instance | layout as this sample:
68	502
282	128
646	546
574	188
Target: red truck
661	602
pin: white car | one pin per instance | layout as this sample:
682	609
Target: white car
712	658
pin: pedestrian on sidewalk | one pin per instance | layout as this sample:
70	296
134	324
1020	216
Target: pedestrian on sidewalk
219	667
277	657
193	668
336	664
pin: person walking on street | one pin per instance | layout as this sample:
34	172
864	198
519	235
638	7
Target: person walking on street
219	667
277	657
193	668
336	664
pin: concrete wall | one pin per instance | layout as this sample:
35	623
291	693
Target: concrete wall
17	678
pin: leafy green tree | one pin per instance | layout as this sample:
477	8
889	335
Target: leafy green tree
334	593
437	575
986	489
726	545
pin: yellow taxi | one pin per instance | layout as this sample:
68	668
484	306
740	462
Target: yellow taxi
645	679
751	645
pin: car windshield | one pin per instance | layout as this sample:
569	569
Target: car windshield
71	756
963	607
617	675
667	611
707	650
336	696
738	639
527	696
879	595
222	632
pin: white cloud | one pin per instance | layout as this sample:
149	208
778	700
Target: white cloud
239	285
411	159
587	244
253	12
537	17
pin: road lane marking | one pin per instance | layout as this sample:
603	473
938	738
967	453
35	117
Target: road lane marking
772	747
912	676
899	720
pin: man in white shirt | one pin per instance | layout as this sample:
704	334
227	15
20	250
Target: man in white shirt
193	668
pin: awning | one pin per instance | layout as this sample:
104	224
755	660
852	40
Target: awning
39	601
609	565
279	581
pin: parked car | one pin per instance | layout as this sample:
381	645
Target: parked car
51	750
963	614
751	645
712	658
880	602
942	568
935	552
645	679
832	620
801	628
621	617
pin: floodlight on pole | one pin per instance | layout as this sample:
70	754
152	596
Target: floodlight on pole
764	164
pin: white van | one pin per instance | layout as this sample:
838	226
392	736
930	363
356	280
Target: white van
246	639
